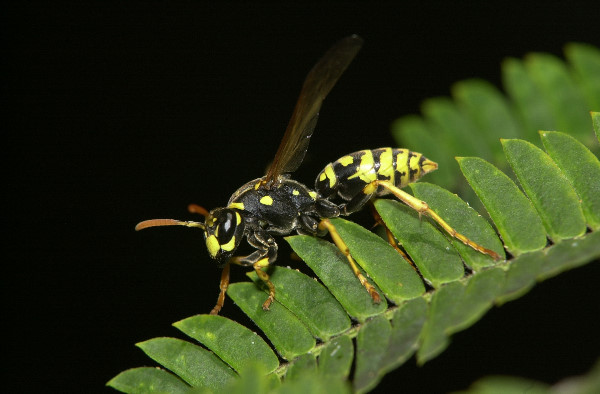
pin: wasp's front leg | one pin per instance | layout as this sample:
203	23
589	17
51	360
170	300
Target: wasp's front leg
265	254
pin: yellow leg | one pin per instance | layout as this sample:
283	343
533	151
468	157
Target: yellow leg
422	208
265	278
335	236
224	285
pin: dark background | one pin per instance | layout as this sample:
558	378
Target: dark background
119	113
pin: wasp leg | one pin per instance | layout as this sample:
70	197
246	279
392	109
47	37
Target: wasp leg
422	208
265	255
327	225
391	239
265	278
223	286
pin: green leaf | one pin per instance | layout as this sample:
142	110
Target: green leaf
394	275
407	323
371	345
478	297
233	343
533	111
336	358
507	385
197	366
569	107
309	301
544	93
333	269
547	188
596	123
425	245
286	332
315	383
455	307
306	364
463	219
513	214
456	130
585	384
252	380
520	277
148	380
528	268
433	337
581	168
569	254
586	62
489	110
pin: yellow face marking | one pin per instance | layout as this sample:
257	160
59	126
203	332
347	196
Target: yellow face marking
386	167
313	195
346	160
329	173
228	247
322	176
366	170
238	218
266	200
237	205
212	245
295	192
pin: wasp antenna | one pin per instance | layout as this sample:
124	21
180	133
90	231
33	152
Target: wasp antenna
193	208
166	222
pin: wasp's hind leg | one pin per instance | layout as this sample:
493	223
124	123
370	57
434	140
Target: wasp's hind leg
422	208
326	225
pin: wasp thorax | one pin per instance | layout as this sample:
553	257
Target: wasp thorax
224	231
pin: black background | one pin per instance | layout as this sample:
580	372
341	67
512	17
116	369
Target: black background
117	113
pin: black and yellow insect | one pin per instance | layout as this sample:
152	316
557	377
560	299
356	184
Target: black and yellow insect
277	205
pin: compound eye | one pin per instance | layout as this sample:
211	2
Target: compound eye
227	225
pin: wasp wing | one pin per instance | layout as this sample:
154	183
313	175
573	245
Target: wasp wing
318	83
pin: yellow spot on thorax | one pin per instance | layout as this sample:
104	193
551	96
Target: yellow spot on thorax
237	205
313	194
266	200
295	192
346	160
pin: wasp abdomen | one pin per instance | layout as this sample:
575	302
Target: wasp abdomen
348	176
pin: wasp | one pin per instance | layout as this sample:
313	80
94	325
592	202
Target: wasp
276	205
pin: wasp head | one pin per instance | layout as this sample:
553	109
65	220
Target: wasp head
224	230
